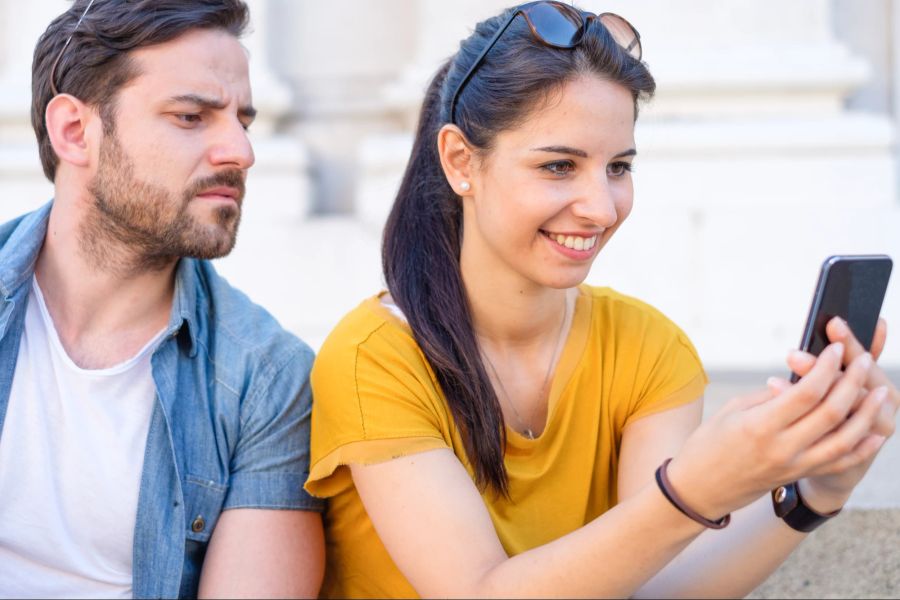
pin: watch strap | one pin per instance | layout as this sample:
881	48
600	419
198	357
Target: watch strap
791	508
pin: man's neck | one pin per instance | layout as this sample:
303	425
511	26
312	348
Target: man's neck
103	314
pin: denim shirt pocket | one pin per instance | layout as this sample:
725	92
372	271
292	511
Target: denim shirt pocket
203	500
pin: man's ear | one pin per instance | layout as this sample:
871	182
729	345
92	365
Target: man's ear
457	159
67	118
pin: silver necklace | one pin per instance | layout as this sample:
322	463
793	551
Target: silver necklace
526	431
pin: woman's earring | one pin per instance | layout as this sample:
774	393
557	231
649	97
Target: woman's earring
464	186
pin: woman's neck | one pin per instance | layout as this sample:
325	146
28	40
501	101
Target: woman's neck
508	310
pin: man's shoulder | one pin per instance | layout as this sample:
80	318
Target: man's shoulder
20	242
236	328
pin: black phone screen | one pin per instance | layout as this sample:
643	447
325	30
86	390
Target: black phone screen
850	287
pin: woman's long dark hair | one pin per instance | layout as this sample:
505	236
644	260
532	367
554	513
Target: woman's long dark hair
423	233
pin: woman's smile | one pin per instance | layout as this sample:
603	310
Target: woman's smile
573	245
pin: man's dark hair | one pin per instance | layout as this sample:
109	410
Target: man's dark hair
96	63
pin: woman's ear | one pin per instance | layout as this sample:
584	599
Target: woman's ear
67	118
457	159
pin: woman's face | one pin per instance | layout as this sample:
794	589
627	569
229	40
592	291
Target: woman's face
552	191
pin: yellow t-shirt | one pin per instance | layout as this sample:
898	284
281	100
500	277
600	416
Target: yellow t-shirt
376	398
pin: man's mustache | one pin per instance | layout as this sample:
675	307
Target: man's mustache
233	178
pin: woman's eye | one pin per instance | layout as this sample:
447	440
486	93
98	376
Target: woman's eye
618	169
560	168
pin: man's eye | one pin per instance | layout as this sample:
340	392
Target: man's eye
188	118
562	167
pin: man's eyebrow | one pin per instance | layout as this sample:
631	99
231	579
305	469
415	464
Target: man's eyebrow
212	103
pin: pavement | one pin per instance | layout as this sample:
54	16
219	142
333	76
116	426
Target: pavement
857	554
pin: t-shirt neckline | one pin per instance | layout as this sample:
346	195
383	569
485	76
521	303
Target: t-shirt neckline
570	357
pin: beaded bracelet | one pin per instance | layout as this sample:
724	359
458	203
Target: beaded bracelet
665	486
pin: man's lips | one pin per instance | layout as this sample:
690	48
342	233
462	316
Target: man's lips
221	192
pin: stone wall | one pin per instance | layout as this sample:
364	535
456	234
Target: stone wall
769	146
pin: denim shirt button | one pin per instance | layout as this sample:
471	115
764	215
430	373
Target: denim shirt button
198	524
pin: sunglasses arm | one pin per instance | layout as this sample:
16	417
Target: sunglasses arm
477	63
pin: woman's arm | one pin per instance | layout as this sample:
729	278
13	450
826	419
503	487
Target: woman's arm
434	524
726	563
734	561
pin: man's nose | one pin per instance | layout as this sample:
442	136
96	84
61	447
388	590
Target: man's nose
231	146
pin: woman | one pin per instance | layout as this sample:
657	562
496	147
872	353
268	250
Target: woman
492	427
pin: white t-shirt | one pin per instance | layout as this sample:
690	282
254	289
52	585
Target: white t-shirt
71	456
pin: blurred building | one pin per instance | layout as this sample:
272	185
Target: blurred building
770	145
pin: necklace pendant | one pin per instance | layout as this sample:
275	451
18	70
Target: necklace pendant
529	434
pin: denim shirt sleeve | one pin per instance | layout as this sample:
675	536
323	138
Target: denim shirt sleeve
271	460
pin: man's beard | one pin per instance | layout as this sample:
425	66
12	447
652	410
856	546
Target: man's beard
135	225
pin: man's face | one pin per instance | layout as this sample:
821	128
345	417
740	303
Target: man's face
175	153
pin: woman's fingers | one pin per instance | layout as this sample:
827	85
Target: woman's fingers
885	422
803	396
879	339
833	410
845	446
864	452
838	331
800	362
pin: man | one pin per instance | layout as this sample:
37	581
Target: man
154	423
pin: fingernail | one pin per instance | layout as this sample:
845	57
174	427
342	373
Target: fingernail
775	385
886	411
837	349
879	394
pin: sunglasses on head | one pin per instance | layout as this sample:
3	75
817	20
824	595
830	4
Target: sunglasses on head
557	25
63	49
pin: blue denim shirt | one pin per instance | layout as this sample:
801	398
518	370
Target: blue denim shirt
229	429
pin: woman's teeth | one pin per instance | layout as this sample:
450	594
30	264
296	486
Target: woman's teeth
573	241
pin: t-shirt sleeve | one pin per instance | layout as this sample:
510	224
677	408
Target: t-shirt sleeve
669	372
271	459
375	400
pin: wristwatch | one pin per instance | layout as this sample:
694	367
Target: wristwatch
790	507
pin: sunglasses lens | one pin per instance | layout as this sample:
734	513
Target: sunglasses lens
554	24
623	33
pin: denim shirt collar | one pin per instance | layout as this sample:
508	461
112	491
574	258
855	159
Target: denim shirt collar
20	253
185	310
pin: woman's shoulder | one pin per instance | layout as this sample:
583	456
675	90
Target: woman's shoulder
613	308
371	329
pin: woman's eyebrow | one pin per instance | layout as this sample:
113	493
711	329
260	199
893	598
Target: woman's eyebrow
578	152
562	150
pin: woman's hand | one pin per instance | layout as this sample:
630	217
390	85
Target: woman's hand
828	488
761	440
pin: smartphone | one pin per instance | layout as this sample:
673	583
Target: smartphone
851	287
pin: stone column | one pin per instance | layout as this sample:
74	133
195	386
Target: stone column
337	59
439	28
23	182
